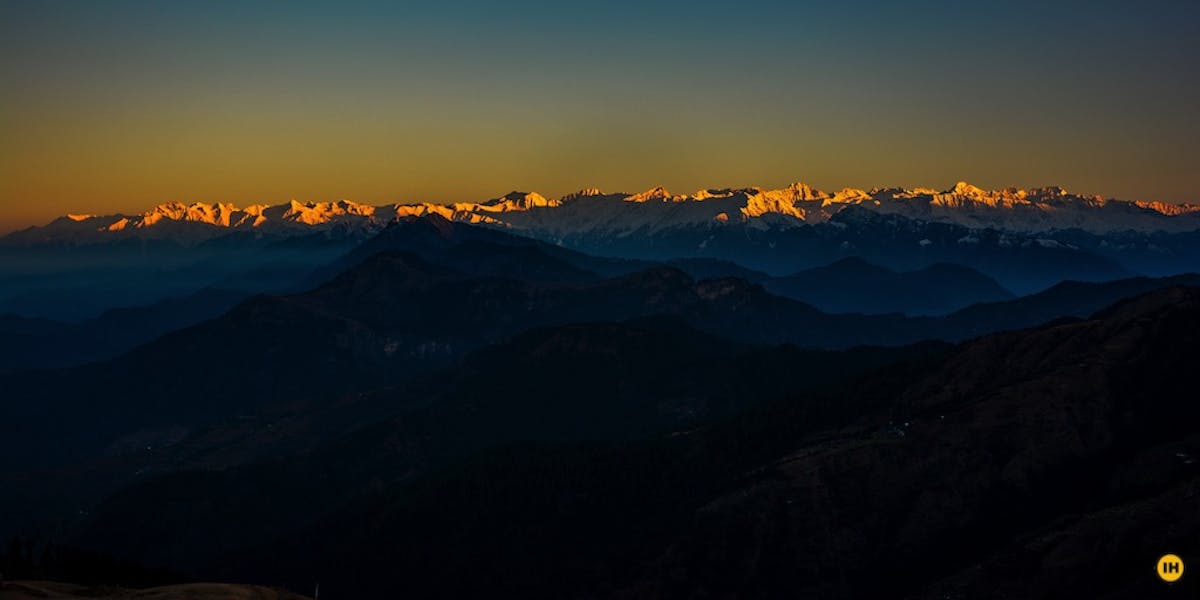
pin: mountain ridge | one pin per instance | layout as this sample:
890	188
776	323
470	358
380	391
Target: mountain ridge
1025	210
737	506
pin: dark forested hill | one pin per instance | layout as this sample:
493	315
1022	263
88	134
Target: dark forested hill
979	473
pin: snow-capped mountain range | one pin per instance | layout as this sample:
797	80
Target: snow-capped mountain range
591	211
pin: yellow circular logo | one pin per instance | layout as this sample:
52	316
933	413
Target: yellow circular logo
1170	568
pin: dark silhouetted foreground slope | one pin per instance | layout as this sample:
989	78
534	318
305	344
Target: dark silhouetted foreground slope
1043	463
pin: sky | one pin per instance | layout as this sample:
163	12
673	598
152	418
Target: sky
117	106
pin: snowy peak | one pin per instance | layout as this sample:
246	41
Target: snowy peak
847	195
590	211
319	213
654	193
801	192
1169	209
963	188
1026	210
229	216
585	193
518	201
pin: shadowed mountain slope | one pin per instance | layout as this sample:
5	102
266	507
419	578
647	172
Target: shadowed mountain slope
991	471
853	285
396	315
984	479
35	343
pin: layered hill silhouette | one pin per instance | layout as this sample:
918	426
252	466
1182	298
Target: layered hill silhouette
393	316
40	343
398	314
75	283
447	399
847	286
79	265
985	470
853	285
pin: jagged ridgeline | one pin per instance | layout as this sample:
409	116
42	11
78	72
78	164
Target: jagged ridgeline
591	210
729	394
1026	240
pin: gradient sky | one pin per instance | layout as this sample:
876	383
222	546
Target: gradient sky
111	106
